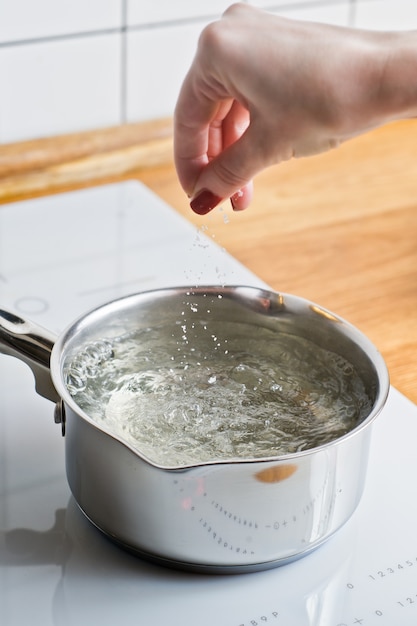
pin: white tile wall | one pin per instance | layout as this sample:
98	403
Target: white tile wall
386	14
140	12
152	87
68	65
283	4
59	86
157	61
335	13
31	19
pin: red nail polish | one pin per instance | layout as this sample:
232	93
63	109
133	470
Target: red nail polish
235	199
204	202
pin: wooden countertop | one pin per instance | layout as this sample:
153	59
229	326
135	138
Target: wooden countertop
339	229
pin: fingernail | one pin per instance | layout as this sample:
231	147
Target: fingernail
204	202
234	199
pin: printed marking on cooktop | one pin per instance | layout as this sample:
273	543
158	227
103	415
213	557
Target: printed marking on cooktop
117	286
31	305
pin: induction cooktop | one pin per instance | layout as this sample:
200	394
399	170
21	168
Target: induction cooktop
63	255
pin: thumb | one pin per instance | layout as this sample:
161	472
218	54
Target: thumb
228	175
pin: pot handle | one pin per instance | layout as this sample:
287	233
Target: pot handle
33	345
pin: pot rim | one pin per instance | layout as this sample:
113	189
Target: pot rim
86	319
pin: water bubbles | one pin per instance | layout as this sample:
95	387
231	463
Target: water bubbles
75	380
86	365
99	351
275	387
180	396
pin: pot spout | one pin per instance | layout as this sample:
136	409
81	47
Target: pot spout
33	345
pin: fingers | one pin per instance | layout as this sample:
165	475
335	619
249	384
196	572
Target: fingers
208	119
195	135
231	172
205	200
221	136
201	139
216	146
242	198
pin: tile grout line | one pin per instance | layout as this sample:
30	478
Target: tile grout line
352	13
62	37
125	28
123	64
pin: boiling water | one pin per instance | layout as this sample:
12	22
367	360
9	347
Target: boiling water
217	392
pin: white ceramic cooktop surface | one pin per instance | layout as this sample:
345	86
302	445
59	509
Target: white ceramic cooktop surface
59	257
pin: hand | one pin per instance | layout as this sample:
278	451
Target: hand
263	89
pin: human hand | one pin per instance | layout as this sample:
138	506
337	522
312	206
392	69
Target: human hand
263	89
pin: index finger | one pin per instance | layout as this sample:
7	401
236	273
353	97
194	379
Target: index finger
197	130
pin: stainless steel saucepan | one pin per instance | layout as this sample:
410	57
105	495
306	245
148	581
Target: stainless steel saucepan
237	516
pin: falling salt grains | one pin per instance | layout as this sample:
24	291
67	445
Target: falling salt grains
225	216
202	241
